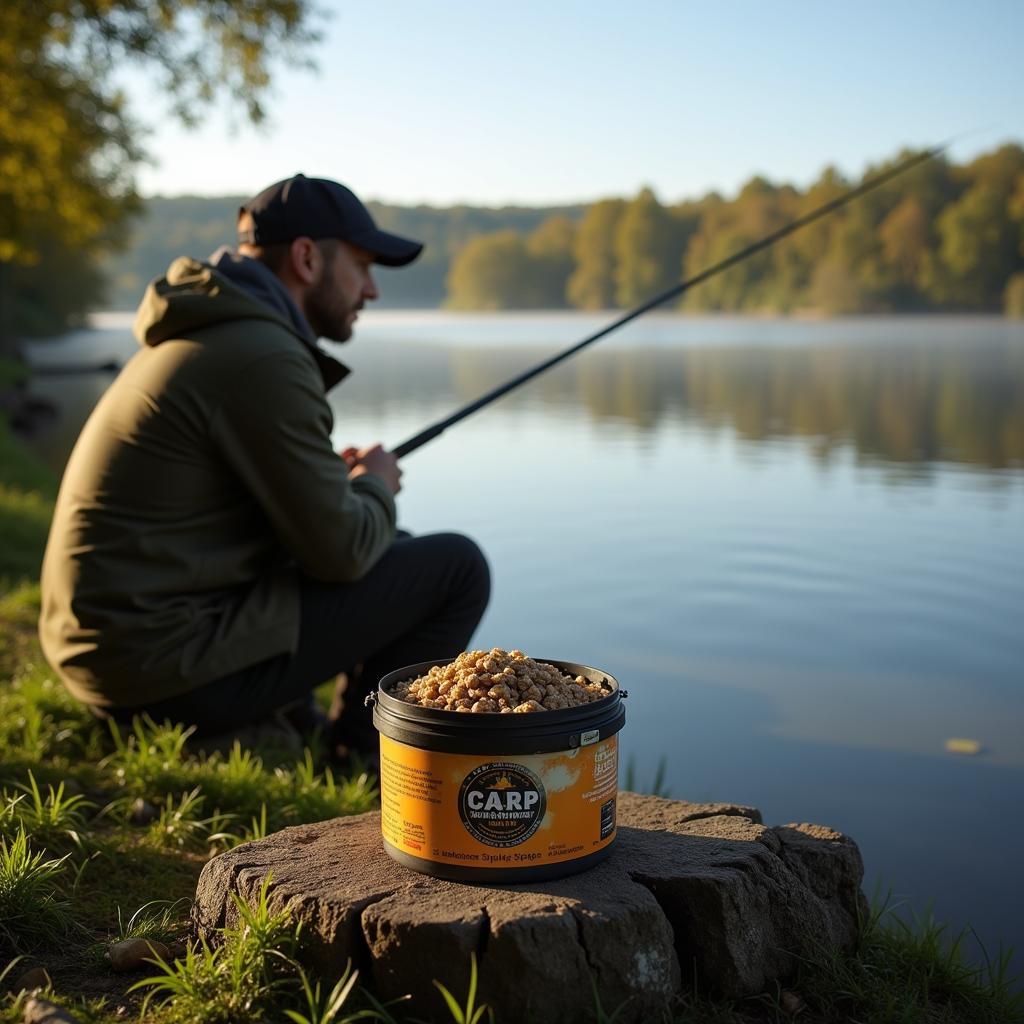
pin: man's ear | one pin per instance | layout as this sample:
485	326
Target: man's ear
305	260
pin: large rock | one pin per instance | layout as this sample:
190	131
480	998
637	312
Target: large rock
690	892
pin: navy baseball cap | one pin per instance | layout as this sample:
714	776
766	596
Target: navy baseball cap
318	208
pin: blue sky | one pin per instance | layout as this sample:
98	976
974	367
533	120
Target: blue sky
538	103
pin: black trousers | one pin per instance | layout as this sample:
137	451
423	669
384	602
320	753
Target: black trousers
420	602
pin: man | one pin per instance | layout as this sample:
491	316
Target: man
211	557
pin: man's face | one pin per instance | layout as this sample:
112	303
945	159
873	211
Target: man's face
346	282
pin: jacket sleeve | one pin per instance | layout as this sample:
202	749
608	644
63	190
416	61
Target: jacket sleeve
274	431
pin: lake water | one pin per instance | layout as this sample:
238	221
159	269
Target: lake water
798	544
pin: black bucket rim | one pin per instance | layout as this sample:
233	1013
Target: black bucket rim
391	705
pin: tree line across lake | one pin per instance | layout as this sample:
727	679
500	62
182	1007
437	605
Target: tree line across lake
75	234
940	237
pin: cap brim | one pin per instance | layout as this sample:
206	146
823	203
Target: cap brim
388	249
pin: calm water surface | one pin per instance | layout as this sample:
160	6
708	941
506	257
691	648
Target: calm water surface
799	545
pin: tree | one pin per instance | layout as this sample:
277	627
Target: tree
906	240
978	249
978	236
726	228
803	254
1013	297
502	270
65	153
68	146
647	250
592	284
835	289
999	169
491	272
550	248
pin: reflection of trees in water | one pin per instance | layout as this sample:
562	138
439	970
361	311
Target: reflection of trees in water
908	403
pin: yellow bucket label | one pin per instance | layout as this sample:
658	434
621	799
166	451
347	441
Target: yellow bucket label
501	811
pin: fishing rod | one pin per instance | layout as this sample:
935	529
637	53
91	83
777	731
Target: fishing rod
824	210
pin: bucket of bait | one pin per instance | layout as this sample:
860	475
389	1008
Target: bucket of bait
498	798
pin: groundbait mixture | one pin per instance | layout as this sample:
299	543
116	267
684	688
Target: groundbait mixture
498	682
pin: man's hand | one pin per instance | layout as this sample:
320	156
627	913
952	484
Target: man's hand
376	460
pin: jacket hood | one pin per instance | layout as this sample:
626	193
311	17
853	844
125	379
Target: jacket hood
193	295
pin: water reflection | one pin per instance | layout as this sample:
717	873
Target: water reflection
902	397
905	404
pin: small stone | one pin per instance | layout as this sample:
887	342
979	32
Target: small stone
791	1003
42	1011
142	812
132	954
35	977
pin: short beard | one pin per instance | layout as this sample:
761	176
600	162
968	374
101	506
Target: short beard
325	307
326	311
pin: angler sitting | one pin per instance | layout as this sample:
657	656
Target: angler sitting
211	557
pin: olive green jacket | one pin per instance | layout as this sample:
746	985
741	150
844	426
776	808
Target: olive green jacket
202	484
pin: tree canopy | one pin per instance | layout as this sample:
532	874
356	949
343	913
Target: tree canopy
69	143
592	283
940	237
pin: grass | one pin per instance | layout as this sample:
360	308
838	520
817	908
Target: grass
903	965
903	972
157	919
53	819
656	787
81	868
239	979
31	909
465	1012
252	974
324	1008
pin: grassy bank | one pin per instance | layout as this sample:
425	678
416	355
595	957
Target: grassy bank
103	834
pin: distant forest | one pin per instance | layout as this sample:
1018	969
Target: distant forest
192	226
940	237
